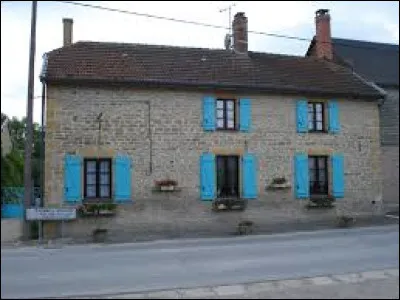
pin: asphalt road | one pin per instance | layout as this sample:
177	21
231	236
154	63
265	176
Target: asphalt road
109	269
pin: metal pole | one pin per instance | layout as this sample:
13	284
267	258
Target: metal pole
29	124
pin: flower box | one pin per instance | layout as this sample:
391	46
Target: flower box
167	187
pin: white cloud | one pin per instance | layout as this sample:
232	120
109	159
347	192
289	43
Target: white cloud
290	18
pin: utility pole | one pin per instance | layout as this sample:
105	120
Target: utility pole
29	126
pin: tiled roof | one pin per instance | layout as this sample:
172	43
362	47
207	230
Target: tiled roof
199	67
378	62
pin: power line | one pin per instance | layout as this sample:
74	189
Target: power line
210	25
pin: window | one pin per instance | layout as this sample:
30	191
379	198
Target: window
316	116
97	179
226	114
318	171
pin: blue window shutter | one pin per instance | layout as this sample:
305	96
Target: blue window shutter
333	116
302	116
72	178
209	112
249	176
337	161
207	176
302	185
122	178
245	115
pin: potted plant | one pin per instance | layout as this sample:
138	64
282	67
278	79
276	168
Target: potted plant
166	184
279	183
97	210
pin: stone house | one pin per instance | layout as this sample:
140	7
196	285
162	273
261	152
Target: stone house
377	63
223	123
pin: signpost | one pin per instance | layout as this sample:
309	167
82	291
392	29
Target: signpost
50	214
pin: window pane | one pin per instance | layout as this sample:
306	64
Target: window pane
104	166
230	115
220	113
220	123
91	191
319	125
231	124
104	178
321	177
321	163
220	104
104	191
319	116
311	163
310	116
230	105
319	107
91	166
310	107
91	178
312	175
310	125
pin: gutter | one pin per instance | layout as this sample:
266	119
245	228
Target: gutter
381	91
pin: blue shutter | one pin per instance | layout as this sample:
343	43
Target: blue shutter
249	176
207	176
122	178
245	115
302	185
333	115
209	113
72	178
302	116
337	175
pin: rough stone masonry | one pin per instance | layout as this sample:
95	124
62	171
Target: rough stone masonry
173	129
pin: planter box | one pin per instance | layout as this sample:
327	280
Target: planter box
167	188
279	186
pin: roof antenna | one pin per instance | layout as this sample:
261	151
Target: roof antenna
228	36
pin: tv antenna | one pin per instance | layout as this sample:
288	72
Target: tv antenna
228	36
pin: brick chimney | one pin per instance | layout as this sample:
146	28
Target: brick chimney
239	28
67	24
323	34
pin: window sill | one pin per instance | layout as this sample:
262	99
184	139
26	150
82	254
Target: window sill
318	132
228	130
97	200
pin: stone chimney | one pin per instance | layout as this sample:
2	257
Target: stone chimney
67	24
324	49
239	28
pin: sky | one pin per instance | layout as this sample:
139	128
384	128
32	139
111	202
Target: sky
376	21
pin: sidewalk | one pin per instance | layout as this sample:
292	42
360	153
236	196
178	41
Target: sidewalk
379	284
271	228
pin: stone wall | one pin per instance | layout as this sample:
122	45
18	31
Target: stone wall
178	140
389	120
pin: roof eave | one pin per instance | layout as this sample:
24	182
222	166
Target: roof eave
213	85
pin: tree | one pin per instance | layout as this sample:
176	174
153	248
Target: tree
12	164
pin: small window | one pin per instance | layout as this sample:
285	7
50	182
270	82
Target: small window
318	170
97	178
316	117
226	114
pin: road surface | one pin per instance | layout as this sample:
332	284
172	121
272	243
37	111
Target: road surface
165	265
